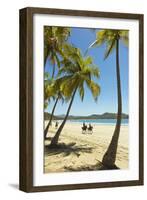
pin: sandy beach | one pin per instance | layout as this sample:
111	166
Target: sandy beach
83	151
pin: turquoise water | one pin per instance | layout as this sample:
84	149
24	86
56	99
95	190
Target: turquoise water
99	121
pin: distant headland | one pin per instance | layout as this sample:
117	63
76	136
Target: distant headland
105	115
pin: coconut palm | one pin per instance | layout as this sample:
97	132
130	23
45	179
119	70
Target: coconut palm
111	40
54	39
59	97
76	72
51	90
46	96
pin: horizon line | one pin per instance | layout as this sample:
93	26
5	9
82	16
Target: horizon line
90	114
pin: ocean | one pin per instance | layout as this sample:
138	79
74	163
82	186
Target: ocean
99	121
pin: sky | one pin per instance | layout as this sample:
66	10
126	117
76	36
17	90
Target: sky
107	100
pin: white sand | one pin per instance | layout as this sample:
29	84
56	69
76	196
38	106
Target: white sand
85	150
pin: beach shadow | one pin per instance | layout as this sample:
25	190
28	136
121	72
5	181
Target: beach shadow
87	167
103	167
48	139
67	149
97	166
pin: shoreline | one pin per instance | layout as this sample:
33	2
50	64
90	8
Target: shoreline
98	123
90	121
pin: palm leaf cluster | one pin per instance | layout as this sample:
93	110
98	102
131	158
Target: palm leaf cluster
76	72
109	37
54	39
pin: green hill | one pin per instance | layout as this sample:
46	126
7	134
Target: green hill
105	115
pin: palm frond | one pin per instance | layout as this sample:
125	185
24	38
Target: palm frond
57	60
92	70
69	68
94	88
109	49
68	86
124	36
88	60
46	75
81	91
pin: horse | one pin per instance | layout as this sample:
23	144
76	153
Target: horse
90	129
84	128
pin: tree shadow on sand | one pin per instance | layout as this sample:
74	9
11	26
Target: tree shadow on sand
48	139
98	166
67	149
72	148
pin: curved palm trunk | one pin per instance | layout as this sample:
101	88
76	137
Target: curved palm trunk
55	139
53	72
110	155
51	117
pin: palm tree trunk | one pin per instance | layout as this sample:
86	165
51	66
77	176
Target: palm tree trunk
53	71
55	139
110	155
49	123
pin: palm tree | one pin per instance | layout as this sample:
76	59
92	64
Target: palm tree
111	38
76	72
54	39
51	90
59	96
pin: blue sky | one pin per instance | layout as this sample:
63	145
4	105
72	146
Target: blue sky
107	100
